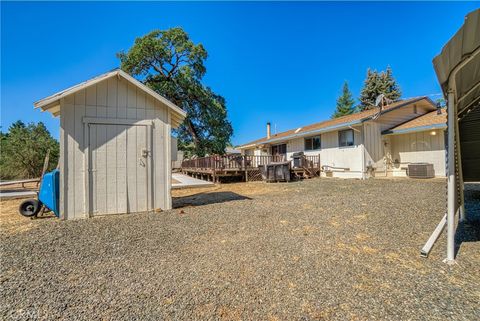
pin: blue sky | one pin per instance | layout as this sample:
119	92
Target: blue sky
279	62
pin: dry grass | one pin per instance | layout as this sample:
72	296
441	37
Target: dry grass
245	189
11	222
28	186
312	250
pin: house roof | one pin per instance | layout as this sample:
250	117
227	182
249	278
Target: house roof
333	124
52	103
431	120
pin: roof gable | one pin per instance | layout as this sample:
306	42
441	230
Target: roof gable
52	103
431	120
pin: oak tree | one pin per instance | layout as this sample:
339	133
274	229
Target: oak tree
170	63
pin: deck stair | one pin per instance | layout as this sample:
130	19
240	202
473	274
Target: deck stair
306	166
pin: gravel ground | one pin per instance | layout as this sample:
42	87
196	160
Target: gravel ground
312	250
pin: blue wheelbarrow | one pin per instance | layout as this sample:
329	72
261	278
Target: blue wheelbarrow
47	199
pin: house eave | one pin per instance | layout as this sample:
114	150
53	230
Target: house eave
246	146
413	129
313	132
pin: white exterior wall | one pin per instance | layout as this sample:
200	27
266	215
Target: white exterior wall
113	98
418	147
332	154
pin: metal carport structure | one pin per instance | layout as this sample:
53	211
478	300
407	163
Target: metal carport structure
458	71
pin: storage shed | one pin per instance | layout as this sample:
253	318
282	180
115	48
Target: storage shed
115	146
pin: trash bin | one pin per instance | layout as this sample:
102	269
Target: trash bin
276	172
298	160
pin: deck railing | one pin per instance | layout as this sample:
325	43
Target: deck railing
311	163
231	162
312	160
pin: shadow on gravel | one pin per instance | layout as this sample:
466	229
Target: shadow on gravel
207	198
469	230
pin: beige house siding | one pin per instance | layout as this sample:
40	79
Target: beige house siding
418	147
109	149
331	154
374	147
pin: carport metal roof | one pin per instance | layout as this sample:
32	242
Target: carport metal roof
459	64
458	71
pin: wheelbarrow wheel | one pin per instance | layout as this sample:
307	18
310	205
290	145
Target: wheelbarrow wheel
29	207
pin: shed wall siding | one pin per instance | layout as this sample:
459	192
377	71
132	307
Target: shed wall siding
112	98
418	147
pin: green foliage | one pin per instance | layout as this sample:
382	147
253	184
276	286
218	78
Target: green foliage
171	64
345	103
23	149
441	102
377	83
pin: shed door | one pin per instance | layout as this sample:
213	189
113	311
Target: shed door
118	167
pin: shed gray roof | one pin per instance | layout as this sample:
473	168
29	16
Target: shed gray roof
52	103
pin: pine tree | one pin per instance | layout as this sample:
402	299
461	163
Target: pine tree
345	103
370	90
389	85
377	83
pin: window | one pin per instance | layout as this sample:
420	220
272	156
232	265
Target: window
345	138
312	143
279	149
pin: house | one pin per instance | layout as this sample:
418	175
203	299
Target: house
368	143
115	146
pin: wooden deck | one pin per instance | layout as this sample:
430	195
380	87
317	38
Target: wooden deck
246	167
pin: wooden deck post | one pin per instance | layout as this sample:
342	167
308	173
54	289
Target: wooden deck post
214	175
319	167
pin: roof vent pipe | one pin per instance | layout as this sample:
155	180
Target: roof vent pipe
269	132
